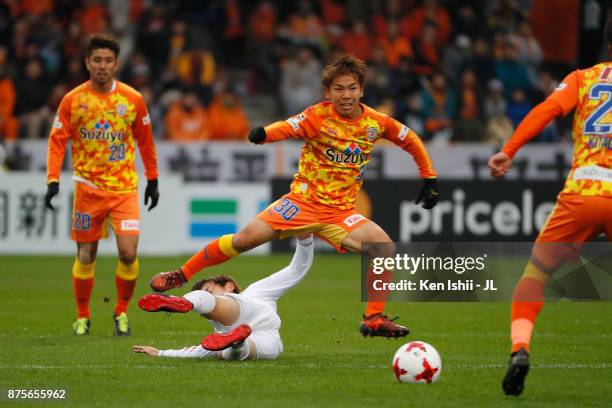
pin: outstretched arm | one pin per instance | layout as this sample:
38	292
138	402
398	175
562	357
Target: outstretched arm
296	127
187	352
530	127
275	285
560	102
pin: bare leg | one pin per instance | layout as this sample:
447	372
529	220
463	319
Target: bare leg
87	252
253	235
127	247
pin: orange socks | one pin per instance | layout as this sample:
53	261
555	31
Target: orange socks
218	251
377	298
527	303
125	281
82	284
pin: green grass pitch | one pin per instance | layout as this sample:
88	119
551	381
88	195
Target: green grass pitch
326	362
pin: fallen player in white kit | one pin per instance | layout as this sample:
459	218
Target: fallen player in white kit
246	323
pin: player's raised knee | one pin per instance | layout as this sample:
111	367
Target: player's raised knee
243	241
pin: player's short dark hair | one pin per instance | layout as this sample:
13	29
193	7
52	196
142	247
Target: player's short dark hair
608	31
102	40
219	280
345	65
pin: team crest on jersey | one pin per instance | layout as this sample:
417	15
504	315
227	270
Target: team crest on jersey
294	121
372	132
121	109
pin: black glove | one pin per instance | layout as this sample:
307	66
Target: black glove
257	135
52	190
151	192
429	193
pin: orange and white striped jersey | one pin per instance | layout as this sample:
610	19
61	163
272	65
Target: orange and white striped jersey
103	130
337	150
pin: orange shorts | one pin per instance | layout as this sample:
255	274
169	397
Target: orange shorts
575	219
93	206
291	216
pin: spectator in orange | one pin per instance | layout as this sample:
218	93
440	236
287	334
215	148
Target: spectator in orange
358	41
394	10
93	17
305	25
227	118
196	70
426	54
431	12
8	123
394	45
332	12
36	7
187	120
263	22
468	124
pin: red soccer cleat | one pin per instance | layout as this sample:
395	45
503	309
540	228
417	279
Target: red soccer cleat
164	281
221	341
379	324
155	302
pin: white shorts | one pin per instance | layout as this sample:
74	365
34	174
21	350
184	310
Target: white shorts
267	343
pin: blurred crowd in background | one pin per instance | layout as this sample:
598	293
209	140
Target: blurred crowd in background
454	71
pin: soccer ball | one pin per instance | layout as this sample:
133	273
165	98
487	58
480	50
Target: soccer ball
417	363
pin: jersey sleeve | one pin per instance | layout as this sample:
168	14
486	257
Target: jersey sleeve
566	94
143	133
188	352
410	142
531	126
295	127
58	139
275	285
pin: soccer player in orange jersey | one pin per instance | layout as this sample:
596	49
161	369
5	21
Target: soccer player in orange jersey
103	119
339	137
584	206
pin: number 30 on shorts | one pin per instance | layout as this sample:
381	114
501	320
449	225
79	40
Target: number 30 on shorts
287	209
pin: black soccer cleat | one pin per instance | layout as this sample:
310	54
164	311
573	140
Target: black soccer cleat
518	367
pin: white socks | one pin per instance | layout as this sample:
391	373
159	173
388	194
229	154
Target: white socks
203	302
